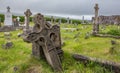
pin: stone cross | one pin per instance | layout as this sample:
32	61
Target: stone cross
0	21
27	14
96	25
51	19
8	9
82	19
68	20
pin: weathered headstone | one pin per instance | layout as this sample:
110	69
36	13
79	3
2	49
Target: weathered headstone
18	20
71	22
52	19
68	20
27	15
83	20
8	17
46	42
15	22
8	43
0	22
96	24
59	21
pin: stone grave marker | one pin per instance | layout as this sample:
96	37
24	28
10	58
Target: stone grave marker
0	22
96	22
8	43
27	15
27	21
59	21
18	19
46	42
68	20
8	18
15	22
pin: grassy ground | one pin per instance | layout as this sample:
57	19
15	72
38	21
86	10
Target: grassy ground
19	56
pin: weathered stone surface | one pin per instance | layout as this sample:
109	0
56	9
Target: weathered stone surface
27	14
46	42
7	28
7	45
114	19
95	20
107	64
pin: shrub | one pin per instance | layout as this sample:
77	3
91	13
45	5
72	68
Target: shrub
115	32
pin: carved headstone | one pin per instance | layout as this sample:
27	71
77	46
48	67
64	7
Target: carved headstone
83	20
8	17
95	24
59	21
46	42
68	20
18	20
52	19
0	21
27	14
15	22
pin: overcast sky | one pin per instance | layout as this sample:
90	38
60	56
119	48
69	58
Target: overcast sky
62	7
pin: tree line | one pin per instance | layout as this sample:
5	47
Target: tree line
63	20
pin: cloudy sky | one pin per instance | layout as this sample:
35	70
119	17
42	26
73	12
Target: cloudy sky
66	8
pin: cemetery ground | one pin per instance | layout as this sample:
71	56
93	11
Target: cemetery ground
19	59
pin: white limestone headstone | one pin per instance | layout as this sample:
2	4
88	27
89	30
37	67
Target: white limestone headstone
8	17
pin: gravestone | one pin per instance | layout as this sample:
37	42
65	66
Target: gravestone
8	44
71	22
8	17
27	21
68	20
52	19
15	22
59	21
27	15
46	42
0	22
18	20
83	20
96	23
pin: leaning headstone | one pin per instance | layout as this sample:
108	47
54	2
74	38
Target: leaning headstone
46	42
8	17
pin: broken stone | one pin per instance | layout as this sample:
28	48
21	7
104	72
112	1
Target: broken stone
46	41
7	45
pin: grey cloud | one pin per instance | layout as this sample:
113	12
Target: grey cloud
70	7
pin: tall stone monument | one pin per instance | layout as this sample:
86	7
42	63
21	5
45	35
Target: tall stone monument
96	23
8	17
83	20
68	20
0	21
27	15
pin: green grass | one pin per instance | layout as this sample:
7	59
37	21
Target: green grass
19	55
